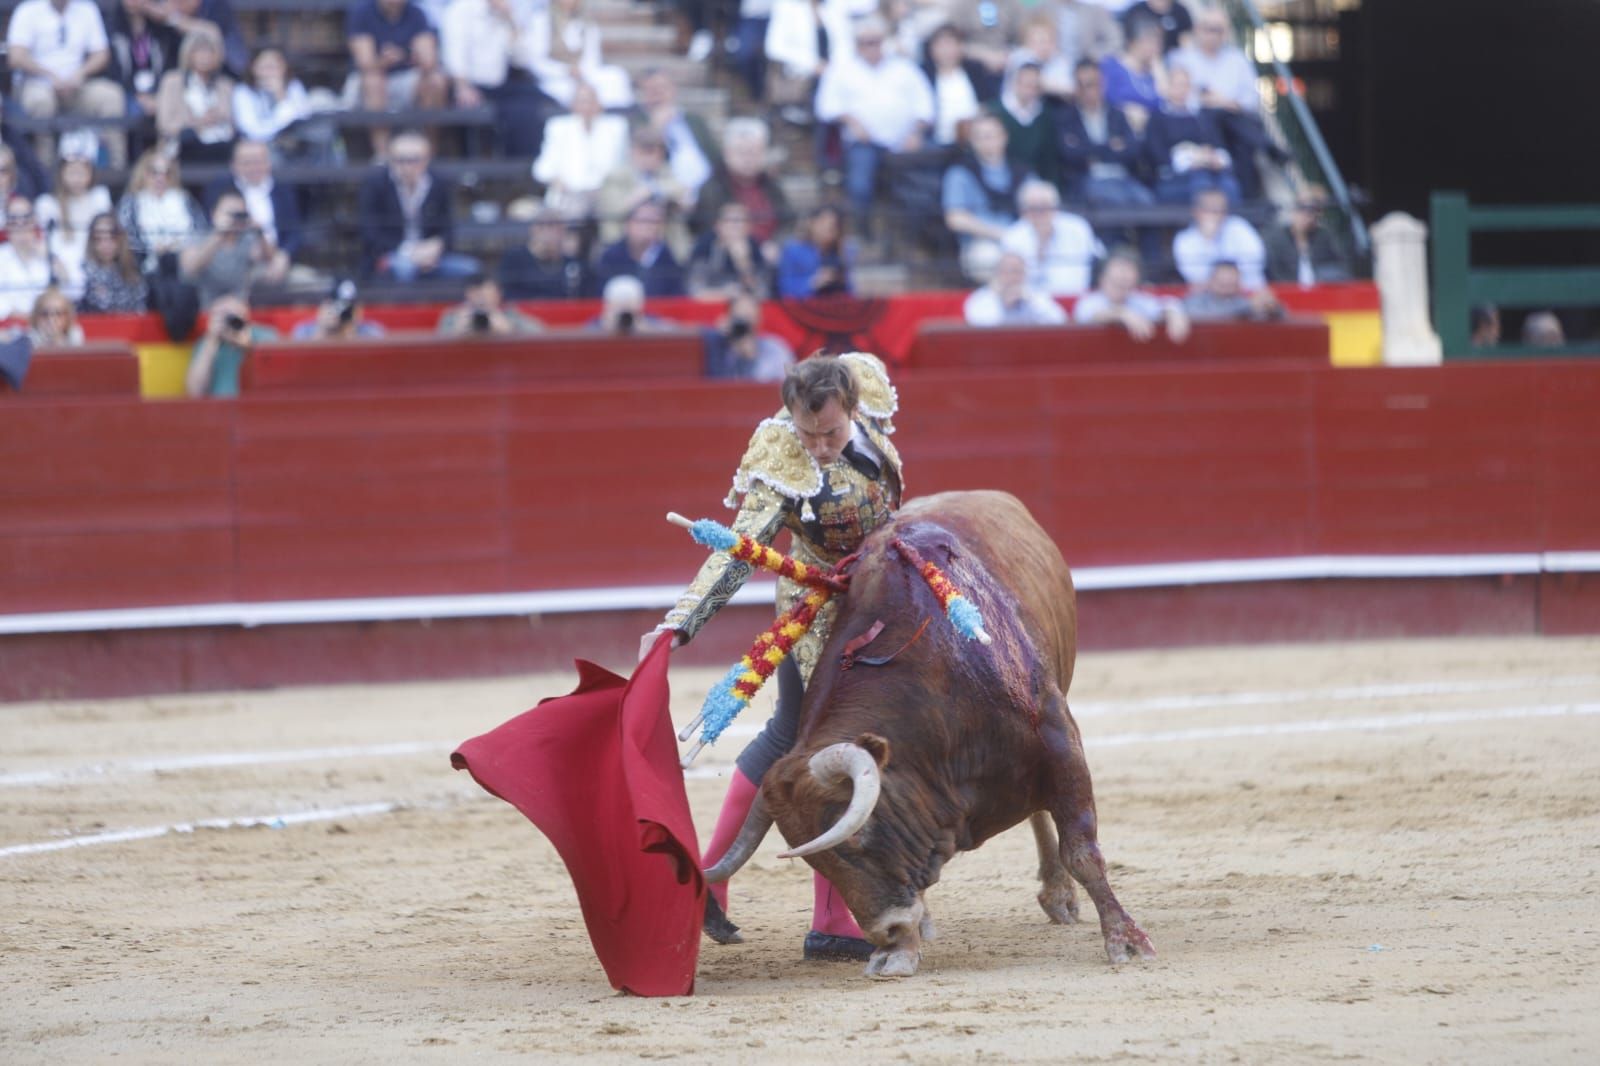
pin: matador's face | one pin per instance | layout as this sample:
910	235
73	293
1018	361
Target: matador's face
825	432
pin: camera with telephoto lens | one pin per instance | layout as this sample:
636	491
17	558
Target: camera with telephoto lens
234	323
738	329
480	322
625	322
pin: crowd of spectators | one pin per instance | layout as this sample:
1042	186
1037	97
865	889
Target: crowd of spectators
999	129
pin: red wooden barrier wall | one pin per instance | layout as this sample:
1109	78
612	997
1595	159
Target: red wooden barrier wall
945	345
109	503
104	368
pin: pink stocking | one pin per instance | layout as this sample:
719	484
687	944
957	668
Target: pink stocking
735	806
828	912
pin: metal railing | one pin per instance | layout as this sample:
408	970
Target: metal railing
1297	127
1458	286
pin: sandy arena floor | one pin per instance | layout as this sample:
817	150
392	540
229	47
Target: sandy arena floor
1363	852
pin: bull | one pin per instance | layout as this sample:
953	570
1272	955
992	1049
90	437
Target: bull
916	743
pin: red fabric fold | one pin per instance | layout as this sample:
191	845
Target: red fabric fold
597	772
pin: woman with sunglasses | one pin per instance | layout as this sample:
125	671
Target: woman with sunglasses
112	283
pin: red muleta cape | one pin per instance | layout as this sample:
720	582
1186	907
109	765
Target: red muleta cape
597	772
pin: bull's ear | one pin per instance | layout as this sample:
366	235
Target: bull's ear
877	746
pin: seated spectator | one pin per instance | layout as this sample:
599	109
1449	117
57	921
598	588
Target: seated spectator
26	265
185	15
544	268
1303	249
112	283
156	213
483	312
483	46
989	30
194	102
1136	78
144	46
1059	247
1216	235
818	260
1118	301
955	94
563	47
53	323
980	196
1030	125
1484	321
728	260
579	151
644	175
1041	47
1008	300
691	149
396	56
746	177
229	339
642	253
1224	79
622	309
1542	329
1099	149
65	215
884	106
737	348
274	208
1223	299
1184	146
59	57
233	257
272	106
405	215
1086	31
1177	25
799	36
341	317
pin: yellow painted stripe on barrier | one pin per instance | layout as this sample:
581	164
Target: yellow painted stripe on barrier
161	369
1355	338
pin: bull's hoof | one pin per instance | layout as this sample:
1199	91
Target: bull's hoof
1060	903
716	924
889	964
1126	942
825	947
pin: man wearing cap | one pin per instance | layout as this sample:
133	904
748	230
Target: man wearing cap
339	318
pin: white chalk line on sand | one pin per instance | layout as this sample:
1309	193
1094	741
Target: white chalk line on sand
214	760
1175	736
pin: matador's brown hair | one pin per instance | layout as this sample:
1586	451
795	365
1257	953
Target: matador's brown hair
810	385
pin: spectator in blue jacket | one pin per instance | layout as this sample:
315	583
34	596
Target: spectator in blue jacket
817	261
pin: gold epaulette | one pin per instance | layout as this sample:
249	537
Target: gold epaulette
776	458
877	398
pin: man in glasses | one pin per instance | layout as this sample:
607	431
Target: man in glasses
405	217
1225	84
26	265
1302	249
1059	247
58	49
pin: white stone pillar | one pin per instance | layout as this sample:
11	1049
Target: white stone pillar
1400	266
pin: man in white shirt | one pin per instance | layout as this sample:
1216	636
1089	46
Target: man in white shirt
57	49
884	104
1225	82
1058	247
1117	300
26	266
1008	301
485	48
1214	236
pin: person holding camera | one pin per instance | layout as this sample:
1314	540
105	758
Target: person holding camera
229	338
622	309
738	349
233	256
339	318
484	313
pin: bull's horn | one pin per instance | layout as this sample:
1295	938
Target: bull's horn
751	834
835	763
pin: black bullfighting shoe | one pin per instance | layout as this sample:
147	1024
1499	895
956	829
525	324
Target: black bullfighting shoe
825	947
716	924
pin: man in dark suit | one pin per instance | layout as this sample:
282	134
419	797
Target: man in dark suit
274	207
643	254
1098	149
404	213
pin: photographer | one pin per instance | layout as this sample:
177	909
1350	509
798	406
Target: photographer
738	349
339	318
229	338
483	314
232	257
622	309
